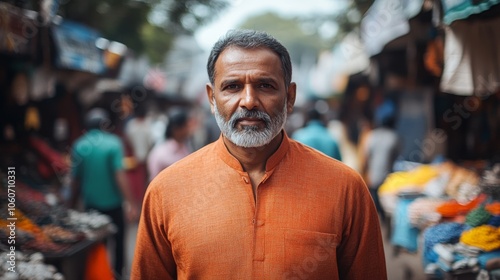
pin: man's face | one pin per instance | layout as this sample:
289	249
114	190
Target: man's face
249	98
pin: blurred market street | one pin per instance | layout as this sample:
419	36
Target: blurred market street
98	97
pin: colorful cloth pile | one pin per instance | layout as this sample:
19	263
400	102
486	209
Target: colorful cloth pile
422	212
452	247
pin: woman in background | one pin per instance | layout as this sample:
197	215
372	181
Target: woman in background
175	146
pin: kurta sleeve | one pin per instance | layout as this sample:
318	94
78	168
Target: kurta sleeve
153	258
361	250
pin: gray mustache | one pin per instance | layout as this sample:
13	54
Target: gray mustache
244	113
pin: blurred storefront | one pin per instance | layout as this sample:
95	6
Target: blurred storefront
47	63
440	65
439	61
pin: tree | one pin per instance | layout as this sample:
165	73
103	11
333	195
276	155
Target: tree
347	20
185	16
145	26
157	41
306	34
291	32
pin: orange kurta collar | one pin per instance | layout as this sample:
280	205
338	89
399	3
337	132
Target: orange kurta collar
272	162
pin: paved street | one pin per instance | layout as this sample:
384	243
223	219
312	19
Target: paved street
402	265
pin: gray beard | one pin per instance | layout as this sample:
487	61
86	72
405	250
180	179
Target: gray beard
251	136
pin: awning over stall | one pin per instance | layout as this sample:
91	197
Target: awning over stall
472	58
385	21
460	9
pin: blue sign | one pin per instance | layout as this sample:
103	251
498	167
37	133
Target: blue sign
76	48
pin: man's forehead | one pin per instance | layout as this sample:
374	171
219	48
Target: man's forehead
251	52
249	60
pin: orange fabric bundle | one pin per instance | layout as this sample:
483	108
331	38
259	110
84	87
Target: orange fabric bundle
493	208
452	208
98	266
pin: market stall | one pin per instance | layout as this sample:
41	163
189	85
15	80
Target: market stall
450	213
42	235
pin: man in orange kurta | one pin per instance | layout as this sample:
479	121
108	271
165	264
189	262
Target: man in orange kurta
256	204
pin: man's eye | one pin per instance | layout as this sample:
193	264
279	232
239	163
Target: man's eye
231	87
266	86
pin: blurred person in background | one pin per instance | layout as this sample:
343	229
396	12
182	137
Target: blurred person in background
256	204
98	177
207	129
175	146
138	134
317	136
381	149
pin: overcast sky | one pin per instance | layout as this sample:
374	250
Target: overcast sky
239	10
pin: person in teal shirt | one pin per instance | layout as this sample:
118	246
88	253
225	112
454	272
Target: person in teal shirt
98	177
316	135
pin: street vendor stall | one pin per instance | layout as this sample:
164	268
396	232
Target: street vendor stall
453	211
48	234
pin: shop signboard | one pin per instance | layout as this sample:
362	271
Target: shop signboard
76	48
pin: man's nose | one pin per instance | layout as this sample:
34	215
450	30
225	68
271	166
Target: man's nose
249	98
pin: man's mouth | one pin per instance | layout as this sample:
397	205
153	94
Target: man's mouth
250	121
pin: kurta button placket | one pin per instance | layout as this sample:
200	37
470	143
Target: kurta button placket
259	230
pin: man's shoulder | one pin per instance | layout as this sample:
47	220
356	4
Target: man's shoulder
310	163
312	156
194	161
198	160
185	175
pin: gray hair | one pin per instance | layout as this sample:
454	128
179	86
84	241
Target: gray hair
250	39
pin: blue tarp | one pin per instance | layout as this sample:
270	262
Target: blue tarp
404	234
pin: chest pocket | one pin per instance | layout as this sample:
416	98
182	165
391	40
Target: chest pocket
310	255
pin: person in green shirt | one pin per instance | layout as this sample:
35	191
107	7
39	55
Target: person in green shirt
98	177
316	135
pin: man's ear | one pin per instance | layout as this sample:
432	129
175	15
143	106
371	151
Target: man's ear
291	93
210	96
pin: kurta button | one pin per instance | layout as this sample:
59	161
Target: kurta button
245	179
260	223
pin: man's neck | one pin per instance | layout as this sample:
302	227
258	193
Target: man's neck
254	159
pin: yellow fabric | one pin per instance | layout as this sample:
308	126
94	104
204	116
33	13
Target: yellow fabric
416	178
313	218
485	237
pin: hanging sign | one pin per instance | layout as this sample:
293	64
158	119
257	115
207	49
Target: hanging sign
76	48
